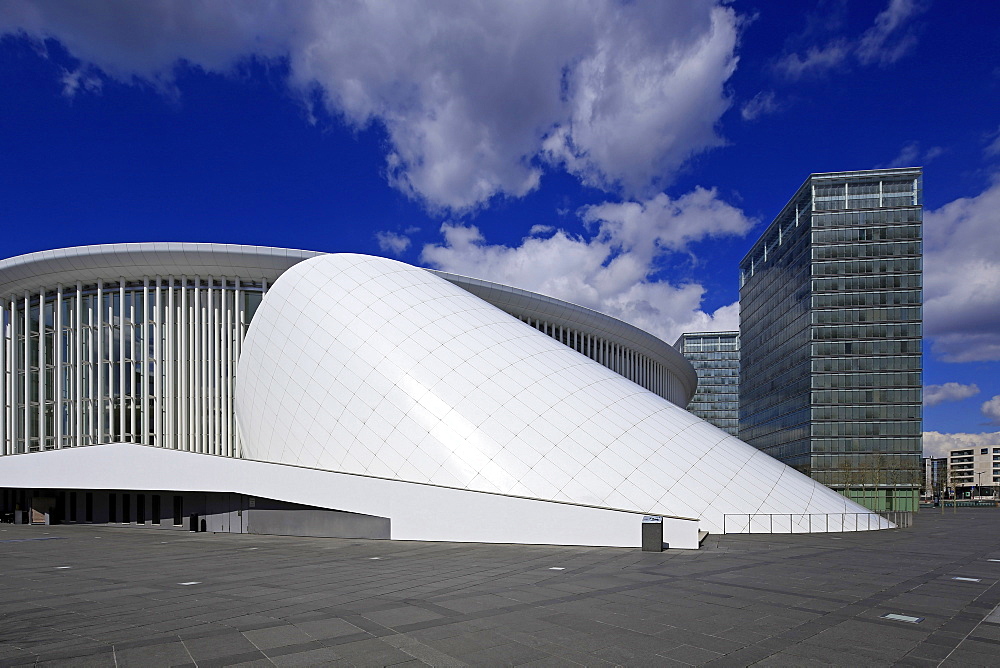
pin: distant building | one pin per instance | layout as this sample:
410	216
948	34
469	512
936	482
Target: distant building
974	471
830	330
715	357
935	477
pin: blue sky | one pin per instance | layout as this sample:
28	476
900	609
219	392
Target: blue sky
621	156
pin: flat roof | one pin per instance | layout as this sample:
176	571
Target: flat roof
46	269
857	174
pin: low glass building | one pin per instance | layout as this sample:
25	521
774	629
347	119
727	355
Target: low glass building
830	322
715	357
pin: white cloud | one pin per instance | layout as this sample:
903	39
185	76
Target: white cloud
474	95
614	269
993	148
646	228
991	409
911	155
889	38
761	104
887	41
962	277
937	444
816	59
639	106
78	79
391	242
939	394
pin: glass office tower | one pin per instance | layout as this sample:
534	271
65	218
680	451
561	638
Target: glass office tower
715	357
830	322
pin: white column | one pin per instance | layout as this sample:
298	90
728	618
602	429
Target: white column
170	383
216	373
158	371
143	357
225	406
238	317
122	330
183	407
99	366
4	437
78	368
57	372
12	381
198	339
41	370
223	390
27	372
210	358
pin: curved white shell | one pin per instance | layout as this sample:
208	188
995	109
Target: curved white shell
370	366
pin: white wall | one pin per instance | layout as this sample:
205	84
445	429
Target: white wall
417	511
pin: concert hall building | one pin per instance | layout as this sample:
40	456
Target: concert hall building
265	390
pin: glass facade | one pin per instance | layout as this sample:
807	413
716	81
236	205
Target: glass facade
715	357
623	360
149	361
831	325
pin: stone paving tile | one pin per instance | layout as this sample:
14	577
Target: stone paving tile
741	600
315	657
166	654
327	628
276	636
691	655
213	647
394	617
509	654
372	652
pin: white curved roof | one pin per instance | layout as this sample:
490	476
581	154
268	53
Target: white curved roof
370	366
533	305
87	264
46	269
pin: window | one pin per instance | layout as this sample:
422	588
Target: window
984	451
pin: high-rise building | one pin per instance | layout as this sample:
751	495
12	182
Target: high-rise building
715	357
830	327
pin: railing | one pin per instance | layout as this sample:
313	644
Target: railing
802	522
962	503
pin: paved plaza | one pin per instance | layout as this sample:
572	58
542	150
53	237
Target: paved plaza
104	596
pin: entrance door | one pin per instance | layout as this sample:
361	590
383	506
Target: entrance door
41	509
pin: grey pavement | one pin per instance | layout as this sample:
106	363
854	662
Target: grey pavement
107	596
